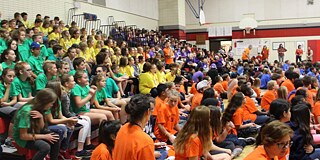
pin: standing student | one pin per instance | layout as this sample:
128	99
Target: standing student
265	53
167	126
29	123
194	139
107	133
299	53
141	147
281	51
309	54
275	138
168	53
82	96
101	101
84	136
246	53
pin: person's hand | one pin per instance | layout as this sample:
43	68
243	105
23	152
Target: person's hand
251	124
157	154
229	126
316	127
160	144
72	121
35	114
308	148
52	138
171	138
7	85
115	109
92	89
228	151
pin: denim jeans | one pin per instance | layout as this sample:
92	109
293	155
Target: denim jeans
237	142
315	154
64	135
261	119
163	152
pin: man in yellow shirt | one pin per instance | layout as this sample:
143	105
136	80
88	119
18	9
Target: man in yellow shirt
24	20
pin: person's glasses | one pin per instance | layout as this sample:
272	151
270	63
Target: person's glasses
285	145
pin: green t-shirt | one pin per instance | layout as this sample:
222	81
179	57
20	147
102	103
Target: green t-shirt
41	81
36	64
22	120
111	87
118	75
4	66
24	50
50	51
82	92
3	45
3	90
101	96
52	57
73	72
21	87
57	113
28	41
44	51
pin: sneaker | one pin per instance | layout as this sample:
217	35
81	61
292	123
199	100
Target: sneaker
89	147
236	152
65	155
8	143
249	140
82	154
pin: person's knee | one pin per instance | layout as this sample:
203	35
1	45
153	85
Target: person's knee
45	148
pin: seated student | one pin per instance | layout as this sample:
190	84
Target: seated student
194	142
160	100
302	140
219	133
282	93
23	46
297	84
148	79
265	78
57	53
70	56
8	98
256	88
250	111
57	123
219	88
50	73
79	64
275	139
201	87
269	95
161	72
119	78
167	119
291	76
306	80
29	123
63	68
35	61
141	146
226	79
170	76
111	89
184	100
84	136
197	75
107	133
316	108
101	101
81	96
39	39
8	58
22	82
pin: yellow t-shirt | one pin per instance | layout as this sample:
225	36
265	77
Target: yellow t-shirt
116	59
141	66
86	55
147	81
169	77
65	43
110	49
92	53
45	31
75	41
161	76
54	36
26	23
129	70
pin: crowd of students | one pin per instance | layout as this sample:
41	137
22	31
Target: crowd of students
58	79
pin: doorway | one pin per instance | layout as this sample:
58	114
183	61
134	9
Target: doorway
216	43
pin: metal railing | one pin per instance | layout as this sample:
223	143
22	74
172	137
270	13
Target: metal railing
79	18
106	29
110	20
92	24
119	23
131	26
71	12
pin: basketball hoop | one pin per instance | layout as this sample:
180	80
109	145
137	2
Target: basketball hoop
248	23
247	30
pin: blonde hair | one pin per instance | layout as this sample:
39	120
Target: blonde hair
283	92
256	83
198	125
271	84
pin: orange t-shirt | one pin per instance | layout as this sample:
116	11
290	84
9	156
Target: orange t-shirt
237	119
182	89
248	110
169	118
225	85
193	89
259	154
196	100
101	152
132	143
316	111
167	55
193	148
287	83
265	54
157	105
257	90
299	52
219	88
267	98
245	54
310	96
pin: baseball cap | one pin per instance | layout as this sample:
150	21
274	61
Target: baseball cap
202	84
35	45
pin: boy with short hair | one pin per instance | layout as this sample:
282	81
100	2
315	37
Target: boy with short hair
50	73
57	53
119	78
269	95
201	86
226	79
63	67
162	90
35	61
39	39
79	64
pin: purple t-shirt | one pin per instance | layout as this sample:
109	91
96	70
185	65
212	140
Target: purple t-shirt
196	76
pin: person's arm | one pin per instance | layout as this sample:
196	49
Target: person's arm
24	135
64	120
81	102
21	99
177	127
98	106
216	148
11	103
165	132
245	126
6	93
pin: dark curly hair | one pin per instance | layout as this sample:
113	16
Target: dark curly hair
136	107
